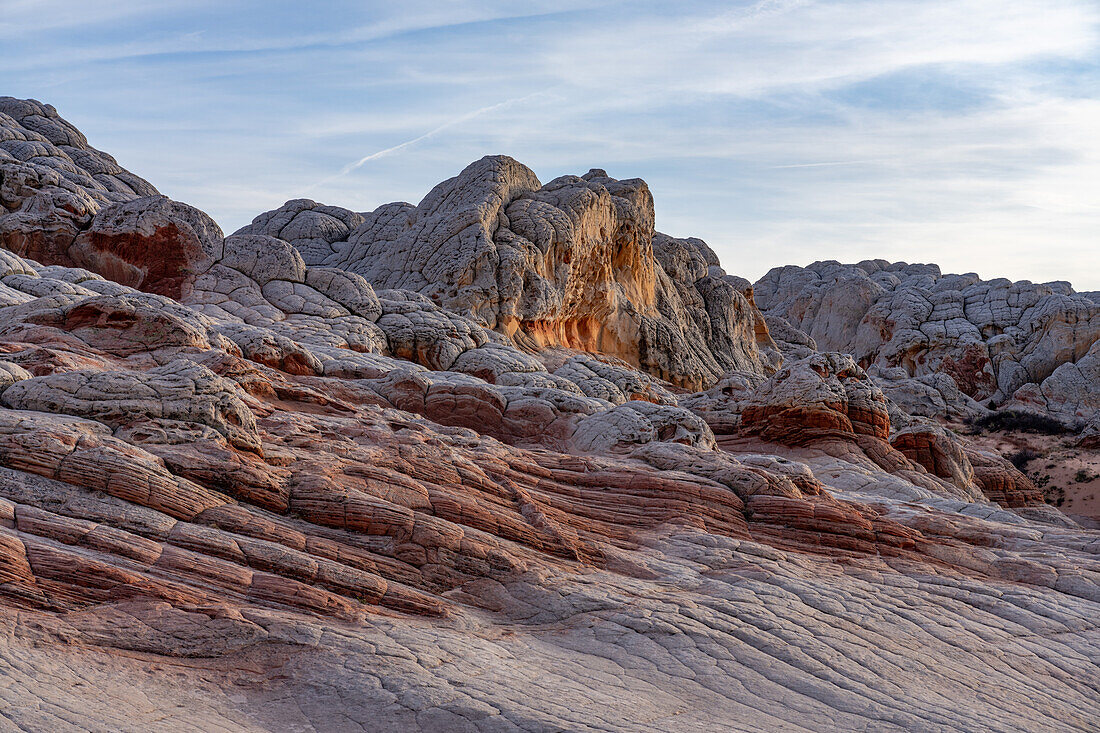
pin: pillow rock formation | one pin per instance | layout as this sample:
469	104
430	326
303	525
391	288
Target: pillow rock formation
575	263
992	338
511	460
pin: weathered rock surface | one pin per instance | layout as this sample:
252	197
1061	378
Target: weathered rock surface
121	241
181	391
1071	393
1090	435
240	489
575	263
827	402
820	396
991	337
52	182
928	395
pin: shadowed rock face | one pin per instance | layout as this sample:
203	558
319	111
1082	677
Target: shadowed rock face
242	489
575	263
152	244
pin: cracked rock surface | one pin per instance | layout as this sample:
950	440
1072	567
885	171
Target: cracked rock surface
438	468
991	337
573	263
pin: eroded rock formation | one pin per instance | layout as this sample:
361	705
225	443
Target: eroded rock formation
573	263
401	470
1071	393
52	182
990	337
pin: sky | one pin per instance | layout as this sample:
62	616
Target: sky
961	132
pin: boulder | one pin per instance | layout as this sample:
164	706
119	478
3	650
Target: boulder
151	243
821	396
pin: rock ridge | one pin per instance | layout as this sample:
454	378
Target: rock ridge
573	263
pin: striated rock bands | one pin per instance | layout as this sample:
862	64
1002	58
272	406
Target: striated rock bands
436	468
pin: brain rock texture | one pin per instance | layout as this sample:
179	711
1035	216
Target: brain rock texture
573	263
991	337
511	460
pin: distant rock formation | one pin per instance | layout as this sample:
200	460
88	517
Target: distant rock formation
1071	393
827	402
991	337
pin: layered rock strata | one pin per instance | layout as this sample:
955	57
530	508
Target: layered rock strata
276	481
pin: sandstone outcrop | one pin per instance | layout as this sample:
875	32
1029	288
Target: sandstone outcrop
181	392
1090	435
152	244
52	183
433	468
928	395
721	405
991	337
821	396
574	263
826	402
1071	393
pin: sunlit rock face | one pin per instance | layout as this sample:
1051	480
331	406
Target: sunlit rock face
434	468
574	263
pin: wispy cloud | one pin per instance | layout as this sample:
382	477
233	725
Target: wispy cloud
828	164
959	131
436	130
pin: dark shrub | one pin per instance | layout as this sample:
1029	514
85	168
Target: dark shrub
1019	420
1054	495
1022	457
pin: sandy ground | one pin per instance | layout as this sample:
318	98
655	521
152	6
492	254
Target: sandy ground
1068	476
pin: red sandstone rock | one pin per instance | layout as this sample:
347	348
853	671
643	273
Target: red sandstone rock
822	396
152	244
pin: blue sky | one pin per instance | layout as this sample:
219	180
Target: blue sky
963	132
